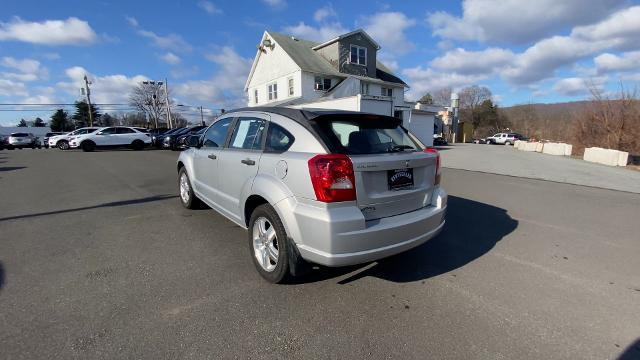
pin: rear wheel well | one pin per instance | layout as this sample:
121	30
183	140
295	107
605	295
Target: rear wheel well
180	165
251	204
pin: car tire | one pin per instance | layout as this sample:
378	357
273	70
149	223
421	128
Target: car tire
264	218
88	146
187	197
137	145
63	145
10	147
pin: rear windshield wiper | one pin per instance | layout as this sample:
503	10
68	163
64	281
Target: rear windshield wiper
397	148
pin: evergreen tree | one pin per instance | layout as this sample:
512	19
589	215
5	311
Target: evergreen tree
81	116
22	123
39	123
426	99
60	121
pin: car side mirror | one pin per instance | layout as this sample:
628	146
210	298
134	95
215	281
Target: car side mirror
193	141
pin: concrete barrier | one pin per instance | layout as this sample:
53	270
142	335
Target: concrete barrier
556	149
606	156
516	144
568	149
529	147
539	147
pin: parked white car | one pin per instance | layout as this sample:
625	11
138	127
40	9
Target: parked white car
62	141
328	187
111	137
22	140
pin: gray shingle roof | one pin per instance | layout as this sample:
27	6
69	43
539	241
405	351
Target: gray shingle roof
307	59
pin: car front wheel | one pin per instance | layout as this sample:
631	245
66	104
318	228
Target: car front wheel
63	145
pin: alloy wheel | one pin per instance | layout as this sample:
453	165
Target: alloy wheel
265	244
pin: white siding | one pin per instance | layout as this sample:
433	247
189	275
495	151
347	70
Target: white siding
273	66
309	92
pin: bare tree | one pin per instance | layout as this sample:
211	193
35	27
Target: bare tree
442	97
471	100
149	99
609	123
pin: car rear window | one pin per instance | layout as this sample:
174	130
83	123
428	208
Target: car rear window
367	134
20	135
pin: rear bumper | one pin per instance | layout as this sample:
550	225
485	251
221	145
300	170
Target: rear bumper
340	237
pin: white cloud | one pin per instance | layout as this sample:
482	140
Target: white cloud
209	7
319	34
610	62
132	21
275	3
541	60
171	58
388	29
25	69
575	86
226	87
324	13
108	89
12	88
71	31
39	99
171	41
428	80
474	62
518	22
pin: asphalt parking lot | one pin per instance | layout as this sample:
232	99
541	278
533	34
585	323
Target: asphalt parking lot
99	260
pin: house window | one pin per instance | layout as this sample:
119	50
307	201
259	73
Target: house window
358	55
255	96
290	83
323	84
364	88
387	91
272	90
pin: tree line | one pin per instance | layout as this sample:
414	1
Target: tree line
607	120
148	99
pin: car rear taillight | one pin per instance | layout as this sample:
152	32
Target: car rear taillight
332	178
434	151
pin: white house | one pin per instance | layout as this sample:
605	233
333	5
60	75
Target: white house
342	73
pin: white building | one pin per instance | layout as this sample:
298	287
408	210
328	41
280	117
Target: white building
342	73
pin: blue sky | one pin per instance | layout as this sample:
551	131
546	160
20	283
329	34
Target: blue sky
524	51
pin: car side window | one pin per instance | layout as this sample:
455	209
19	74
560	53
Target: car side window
278	139
108	131
124	130
217	133
247	134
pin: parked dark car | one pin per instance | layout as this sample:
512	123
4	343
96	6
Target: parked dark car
46	137
160	140
183	139
156	139
3	141
439	141
171	141
181	142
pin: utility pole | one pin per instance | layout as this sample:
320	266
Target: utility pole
166	95
201	116
88	92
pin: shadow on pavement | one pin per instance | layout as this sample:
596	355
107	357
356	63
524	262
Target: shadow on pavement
472	230
110	204
632	352
12	168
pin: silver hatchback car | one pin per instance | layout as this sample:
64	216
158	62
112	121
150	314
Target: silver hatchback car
333	188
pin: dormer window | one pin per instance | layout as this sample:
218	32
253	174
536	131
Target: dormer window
358	55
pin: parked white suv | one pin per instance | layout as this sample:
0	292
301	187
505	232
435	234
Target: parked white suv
325	187
62	141
111	137
502	138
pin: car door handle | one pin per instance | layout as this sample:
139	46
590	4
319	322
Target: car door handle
248	162
212	156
